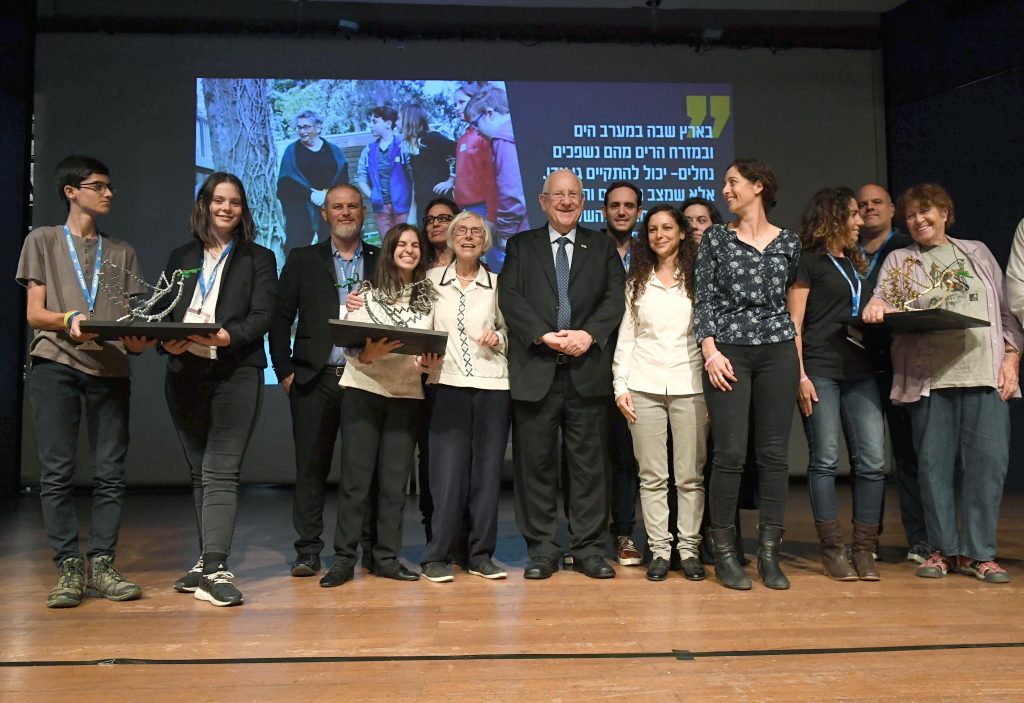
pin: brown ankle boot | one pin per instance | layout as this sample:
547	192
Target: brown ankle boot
833	553
865	539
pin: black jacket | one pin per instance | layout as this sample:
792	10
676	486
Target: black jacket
247	298
308	288
528	298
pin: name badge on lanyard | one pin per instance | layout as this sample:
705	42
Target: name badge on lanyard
196	314
854	290
874	258
90	294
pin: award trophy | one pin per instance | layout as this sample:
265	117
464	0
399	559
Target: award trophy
391	319
145	312
918	297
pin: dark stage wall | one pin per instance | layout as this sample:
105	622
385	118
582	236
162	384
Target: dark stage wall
815	115
954	95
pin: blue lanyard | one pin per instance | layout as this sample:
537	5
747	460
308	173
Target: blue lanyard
347	270
206	286
90	296
874	257
854	292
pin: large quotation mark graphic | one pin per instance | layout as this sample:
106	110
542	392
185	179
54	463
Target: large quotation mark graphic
697	111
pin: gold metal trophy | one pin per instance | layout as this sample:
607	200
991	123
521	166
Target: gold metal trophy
918	297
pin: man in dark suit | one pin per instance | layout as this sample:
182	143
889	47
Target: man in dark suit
314	284
561	292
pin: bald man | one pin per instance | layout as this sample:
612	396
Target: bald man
878	238
561	292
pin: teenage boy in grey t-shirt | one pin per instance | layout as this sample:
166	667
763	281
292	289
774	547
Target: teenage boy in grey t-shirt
60	267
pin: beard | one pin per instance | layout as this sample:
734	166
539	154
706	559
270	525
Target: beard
346	230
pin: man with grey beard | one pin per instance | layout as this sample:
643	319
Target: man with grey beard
315	281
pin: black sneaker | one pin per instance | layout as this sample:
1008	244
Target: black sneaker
437	571
190	581
488	570
219	588
70	588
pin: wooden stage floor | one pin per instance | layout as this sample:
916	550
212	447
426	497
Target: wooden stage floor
902	639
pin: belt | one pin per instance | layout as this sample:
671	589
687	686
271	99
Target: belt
334	370
562	359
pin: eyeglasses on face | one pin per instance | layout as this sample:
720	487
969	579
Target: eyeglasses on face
573	195
98	186
700	220
443	219
464	232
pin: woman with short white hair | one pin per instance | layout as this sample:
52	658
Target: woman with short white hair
470	419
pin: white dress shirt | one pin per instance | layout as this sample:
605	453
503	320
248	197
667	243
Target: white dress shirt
657	352
568	247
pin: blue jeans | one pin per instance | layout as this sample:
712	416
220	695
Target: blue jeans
975	422
57	392
857	407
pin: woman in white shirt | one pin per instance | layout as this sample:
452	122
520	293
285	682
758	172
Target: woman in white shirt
657	382
470	417
380	407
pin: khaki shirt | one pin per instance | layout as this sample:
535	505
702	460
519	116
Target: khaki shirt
46	260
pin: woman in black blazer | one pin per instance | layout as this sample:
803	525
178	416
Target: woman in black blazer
214	384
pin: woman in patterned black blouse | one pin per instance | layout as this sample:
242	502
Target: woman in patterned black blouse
751	369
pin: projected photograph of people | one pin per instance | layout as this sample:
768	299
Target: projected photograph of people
404	143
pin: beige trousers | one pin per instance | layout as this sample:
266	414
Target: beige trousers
687	415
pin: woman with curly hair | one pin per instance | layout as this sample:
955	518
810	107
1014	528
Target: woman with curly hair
657	382
837	381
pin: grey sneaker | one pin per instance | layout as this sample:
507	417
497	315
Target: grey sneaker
70	588
219	588
488	570
437	571
190	581
107	581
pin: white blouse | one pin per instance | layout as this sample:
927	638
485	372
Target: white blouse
657	352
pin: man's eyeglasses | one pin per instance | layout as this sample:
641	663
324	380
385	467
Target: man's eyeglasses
700	220
573	195
98	186
463	232
443	219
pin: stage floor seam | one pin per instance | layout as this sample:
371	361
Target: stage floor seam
677	654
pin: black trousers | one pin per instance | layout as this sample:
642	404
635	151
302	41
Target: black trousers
214	413
316	420
535	427
765	392
468	435
378	435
